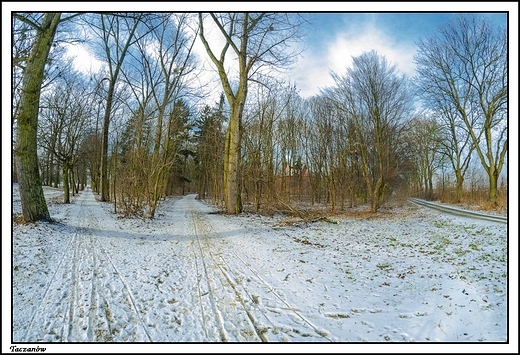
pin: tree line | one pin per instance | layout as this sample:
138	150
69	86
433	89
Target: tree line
136	131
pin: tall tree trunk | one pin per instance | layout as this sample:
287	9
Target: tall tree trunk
73	181
34	207
493	186
232	194
56	175
460	184
66	186
430	187
104	144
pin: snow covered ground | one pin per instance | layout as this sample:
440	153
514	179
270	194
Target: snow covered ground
195	277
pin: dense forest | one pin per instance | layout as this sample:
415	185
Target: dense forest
141	128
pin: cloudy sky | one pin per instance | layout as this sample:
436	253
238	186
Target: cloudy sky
339	36
337	32
332	38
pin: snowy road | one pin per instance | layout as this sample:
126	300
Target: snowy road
86	294
192	275
242	294
182	282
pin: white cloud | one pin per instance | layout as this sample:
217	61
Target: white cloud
313	72
83	60
340	54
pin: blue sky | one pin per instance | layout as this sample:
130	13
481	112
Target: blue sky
402	27
339	31
335	37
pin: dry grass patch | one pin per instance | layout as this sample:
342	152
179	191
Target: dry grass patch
18	219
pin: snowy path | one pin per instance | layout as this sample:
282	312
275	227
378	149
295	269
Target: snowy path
95	293
192	275
87	298
237	293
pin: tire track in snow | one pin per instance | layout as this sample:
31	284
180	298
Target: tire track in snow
68	325
99	257
126	288
322	333
49	283
231	279
49	193
306	323
84	263
233	283
76	305
199	292
201	232
93	294
100	322
220	323
253	322
69	261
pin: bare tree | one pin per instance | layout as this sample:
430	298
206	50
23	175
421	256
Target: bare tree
64	121
257	40
325	152
209	138
117	34
173	62
463	72
378	101
272	155
456	146
425	141
157	72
